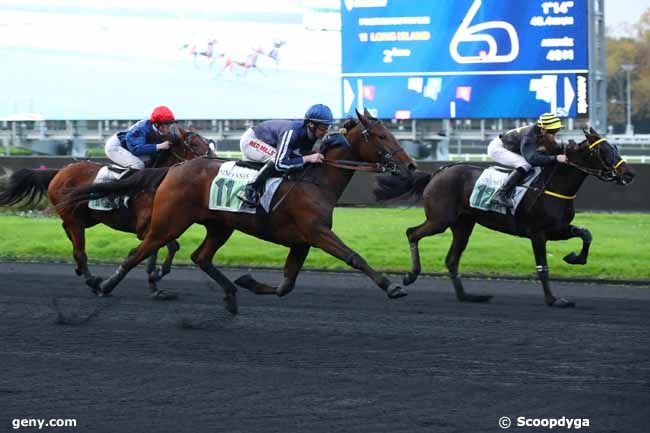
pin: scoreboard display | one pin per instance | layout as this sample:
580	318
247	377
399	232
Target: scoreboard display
464	58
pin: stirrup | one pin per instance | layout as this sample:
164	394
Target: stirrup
503	200
249	200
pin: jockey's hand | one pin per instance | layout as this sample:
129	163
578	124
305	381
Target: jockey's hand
314	158
561	158
163	146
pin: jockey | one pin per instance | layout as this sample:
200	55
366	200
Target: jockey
131	147
281	144
518	148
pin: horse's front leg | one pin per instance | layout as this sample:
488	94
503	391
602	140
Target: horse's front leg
325	239
76	234
538	241
578	259
293	265
155	275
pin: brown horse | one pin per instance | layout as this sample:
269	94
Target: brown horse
28	186
301	217
545	213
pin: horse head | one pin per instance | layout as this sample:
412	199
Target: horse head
596	156
371	141
187	144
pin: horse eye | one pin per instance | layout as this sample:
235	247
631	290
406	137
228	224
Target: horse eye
383	136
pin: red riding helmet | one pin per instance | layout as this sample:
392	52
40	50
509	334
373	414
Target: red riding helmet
162	114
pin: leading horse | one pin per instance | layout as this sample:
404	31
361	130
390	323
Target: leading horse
27	186
301	217
544	214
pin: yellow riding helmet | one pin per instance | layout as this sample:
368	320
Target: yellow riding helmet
550	122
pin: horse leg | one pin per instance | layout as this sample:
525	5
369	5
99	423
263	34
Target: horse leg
292	266
154	276
578	259
461	231
163	230
172	249
414	234
325	239
538	241
215	237
76	234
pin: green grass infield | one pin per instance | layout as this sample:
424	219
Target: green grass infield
619	250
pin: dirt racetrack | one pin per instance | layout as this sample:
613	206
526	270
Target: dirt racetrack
334	356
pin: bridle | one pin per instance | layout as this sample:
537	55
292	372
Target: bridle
187	142
605	172
386	165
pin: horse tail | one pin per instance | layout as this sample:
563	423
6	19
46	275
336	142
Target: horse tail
389	187
26	184
143	180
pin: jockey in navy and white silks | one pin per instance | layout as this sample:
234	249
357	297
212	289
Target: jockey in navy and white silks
518	148
281	144
134	146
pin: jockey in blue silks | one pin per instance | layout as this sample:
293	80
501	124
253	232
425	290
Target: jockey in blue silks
131	147
281	144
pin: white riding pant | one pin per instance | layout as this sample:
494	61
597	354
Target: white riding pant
503	156
122	156
254	149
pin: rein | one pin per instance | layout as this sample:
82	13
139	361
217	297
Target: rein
371	167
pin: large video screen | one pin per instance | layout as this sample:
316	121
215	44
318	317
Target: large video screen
260	59
206	59
465	58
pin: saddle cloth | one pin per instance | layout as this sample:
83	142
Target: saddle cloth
490	181
230	180
107	174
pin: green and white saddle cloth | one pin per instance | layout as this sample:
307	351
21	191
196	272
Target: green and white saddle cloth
106	203
489	182
232	179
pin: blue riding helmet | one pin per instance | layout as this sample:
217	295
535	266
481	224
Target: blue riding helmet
320	113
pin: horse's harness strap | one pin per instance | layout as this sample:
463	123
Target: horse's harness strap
558	195
596	143
618	164
355	165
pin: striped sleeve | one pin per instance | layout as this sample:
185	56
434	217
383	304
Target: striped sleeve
283	159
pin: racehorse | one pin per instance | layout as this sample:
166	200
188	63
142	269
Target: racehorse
31	185
301	215
544	214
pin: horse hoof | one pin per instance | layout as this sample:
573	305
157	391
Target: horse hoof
395	291
163	295
283	290
95	284
574	259
231	304
562	303
409	278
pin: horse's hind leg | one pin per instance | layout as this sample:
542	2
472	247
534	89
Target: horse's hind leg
461	231
414	234
76	234
538	241
214	239
163	230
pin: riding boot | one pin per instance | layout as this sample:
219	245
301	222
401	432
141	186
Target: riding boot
504	196
253	191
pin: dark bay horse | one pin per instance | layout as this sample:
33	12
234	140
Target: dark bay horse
301	216
545	214
27	186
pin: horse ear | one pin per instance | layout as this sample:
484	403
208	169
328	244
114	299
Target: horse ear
361	117
592	131
191	127
367	114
